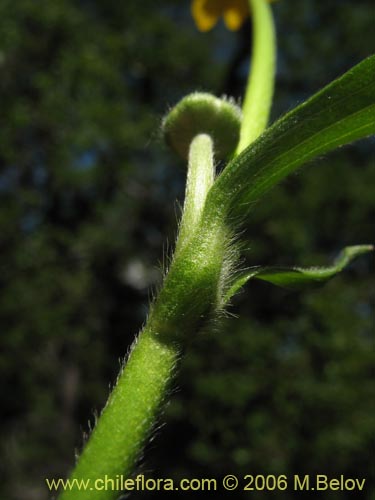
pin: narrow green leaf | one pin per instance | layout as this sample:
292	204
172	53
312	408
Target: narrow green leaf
342	112
299	277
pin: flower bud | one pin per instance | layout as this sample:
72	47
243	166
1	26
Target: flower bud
202	113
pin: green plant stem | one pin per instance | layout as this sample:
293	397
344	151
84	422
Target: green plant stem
184	304
260	85
130	413
199	180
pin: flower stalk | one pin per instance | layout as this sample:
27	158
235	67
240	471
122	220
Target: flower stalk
260	84
200	177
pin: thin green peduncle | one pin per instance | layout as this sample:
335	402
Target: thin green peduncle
200	178
260	85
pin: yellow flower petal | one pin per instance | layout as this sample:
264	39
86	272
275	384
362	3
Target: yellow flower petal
205	13
235	13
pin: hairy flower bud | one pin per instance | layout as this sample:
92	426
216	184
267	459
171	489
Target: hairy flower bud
203	113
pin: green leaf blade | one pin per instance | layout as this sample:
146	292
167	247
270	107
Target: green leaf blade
342	112
299	277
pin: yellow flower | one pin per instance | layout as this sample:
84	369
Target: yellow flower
207	12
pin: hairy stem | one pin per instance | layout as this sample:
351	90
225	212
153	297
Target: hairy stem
184	304
260	85
199	180
125	423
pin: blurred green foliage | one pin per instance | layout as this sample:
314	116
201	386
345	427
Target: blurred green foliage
88	203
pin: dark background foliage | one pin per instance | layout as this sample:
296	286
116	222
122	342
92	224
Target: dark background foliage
88	206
